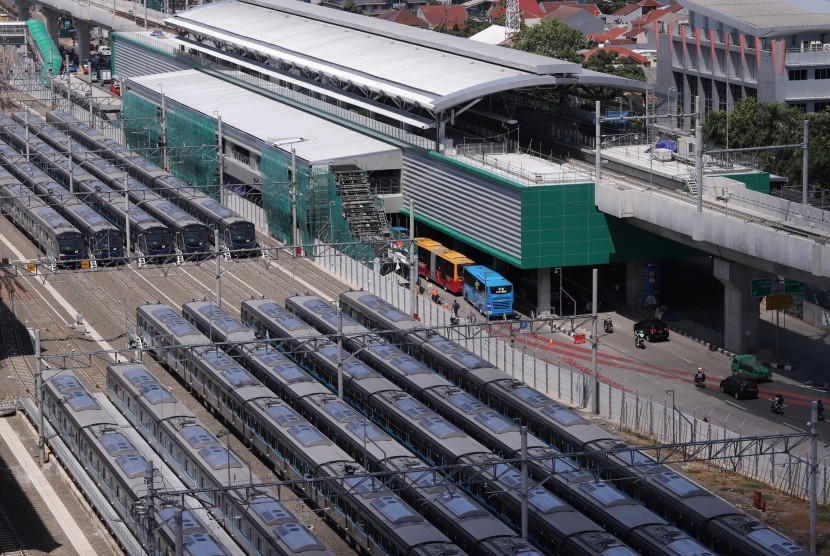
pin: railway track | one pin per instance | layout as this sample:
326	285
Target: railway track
10	544
15	344
712	206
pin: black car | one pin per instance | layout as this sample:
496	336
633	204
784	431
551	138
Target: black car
740	387
653	329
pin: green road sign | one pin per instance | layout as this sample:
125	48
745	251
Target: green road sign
793	286
762	287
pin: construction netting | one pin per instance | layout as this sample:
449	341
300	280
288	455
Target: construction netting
191	149
192	155
142	126
191	140
48	51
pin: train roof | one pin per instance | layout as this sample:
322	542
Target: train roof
196	539
392	317
324	316
207	451
215	320
155	398
267	309
169	321
295	430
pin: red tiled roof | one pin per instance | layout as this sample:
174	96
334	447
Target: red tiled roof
622	52
610	34
548	7
455	16
529	8
627	9
403	16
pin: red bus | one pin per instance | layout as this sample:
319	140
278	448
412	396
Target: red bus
441	265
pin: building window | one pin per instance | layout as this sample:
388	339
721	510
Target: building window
822	73
821	106
800	106
798	75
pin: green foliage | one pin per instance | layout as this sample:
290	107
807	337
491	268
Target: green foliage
351	6
551	38
611	6
609	61
754	124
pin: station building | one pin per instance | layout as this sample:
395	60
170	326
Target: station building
359	112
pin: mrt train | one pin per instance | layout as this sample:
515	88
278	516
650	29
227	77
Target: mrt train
705	516
373	517
59	240
462	519
103	241
599	500
190	236
236	234
115	458
259	523
552	524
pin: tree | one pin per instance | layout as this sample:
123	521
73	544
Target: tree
351	6
551	38
609	61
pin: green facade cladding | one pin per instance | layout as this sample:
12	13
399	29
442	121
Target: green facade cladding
561	226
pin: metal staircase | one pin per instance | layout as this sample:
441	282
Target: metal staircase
366	222
691	184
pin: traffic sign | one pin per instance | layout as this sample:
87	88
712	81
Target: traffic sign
779	302
85	263
31	267
762	287
793	286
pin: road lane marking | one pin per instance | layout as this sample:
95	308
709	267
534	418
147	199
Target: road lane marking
733	404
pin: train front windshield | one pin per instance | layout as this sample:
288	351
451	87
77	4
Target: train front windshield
242	234
71	246
196	238
109	242
158	242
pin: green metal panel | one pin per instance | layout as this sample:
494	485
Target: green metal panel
756	181
142	125
561	226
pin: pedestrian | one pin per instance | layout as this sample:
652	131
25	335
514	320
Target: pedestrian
455	307
435	296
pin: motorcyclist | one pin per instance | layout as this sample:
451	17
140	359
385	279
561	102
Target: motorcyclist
700	376
778	403
640	339
608	324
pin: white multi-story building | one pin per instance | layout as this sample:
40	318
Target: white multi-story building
774	50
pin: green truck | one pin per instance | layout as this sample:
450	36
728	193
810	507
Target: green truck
749	366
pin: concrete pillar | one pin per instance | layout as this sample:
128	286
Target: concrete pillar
51	18
82	35
23	8
740	322
634	284
543	290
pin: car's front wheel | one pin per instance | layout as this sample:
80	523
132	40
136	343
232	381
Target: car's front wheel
722	390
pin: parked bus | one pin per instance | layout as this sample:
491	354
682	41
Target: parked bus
441	265
488	291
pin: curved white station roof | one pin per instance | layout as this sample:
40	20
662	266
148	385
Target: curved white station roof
315	140
429	69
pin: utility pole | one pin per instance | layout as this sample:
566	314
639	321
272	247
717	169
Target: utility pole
813	463
339	352
598	141
525	488
127	216
221	149
699	153
595	341
218	268
165	161
294	200
41	436
413	265
805	162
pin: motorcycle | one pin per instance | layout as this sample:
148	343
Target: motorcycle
777	405
608	325
640	340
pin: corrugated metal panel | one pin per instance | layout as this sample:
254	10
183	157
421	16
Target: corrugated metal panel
315	140
486	212
132	60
